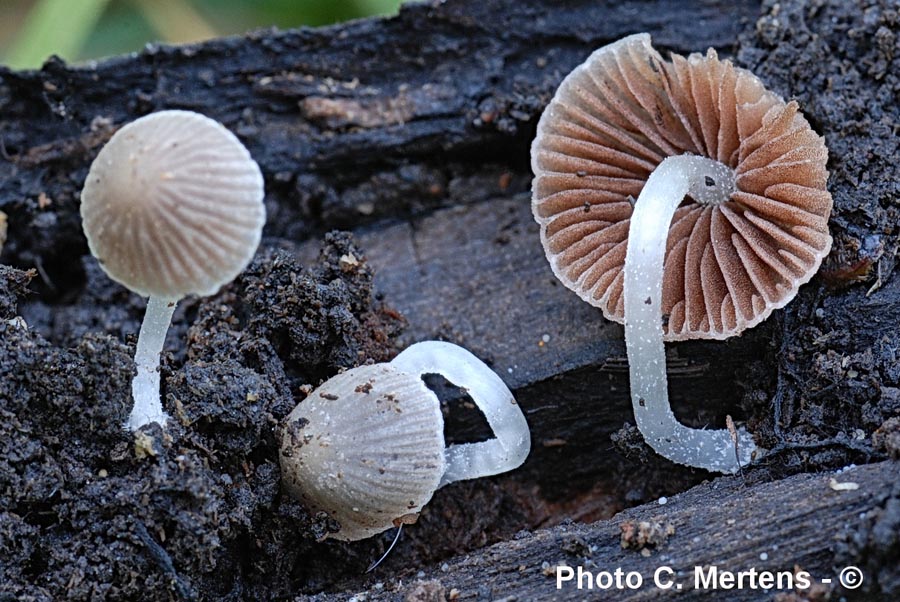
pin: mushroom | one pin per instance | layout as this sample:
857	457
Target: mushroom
367	446
172	206
731	215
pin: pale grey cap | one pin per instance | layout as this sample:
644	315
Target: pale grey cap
367	448
172	205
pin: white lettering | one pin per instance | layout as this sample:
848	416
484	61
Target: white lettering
665	578
560	577
604	580
705	580
658	577
803	581
581	575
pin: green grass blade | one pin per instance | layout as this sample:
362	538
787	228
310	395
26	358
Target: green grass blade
54	27
175	21
378	7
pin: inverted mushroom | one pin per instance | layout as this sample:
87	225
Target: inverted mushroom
731	215
172	206
367	446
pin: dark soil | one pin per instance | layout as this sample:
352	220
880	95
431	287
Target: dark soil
89	511
840	340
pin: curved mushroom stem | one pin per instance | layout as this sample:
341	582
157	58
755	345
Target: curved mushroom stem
513	440
707	181
145	386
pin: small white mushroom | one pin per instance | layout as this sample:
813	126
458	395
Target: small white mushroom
367	447
172	206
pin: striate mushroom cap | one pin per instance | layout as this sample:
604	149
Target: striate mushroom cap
367	448
728	265
172	205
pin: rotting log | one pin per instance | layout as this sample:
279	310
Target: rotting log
815	531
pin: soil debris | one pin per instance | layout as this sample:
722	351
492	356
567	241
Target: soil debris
644	534
174	510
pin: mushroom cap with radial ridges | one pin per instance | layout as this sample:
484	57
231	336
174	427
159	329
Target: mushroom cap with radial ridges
172	205
366	447
728	265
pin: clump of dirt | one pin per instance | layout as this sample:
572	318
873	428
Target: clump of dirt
641	535
887	438
195	511
426	591
13	284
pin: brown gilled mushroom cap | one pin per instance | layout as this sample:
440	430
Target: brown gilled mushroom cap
172	205
728	265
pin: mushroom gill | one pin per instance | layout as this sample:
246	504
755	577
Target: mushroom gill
728	264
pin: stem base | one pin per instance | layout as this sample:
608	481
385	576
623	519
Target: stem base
145	386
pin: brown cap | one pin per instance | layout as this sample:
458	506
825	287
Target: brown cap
172	205
728	265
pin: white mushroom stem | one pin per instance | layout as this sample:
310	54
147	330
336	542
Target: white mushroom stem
707	182
513	440
145	386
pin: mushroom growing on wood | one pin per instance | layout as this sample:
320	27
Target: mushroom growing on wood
172	206
367	447
731	215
